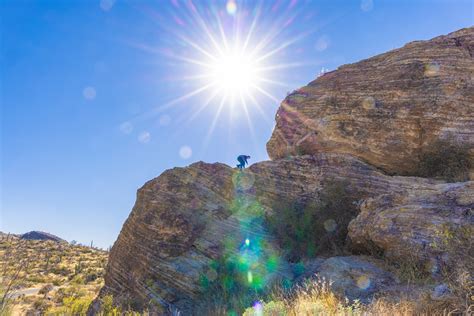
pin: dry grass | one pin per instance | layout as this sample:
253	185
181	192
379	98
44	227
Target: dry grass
316	298
45	276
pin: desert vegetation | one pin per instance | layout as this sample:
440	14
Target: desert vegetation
315	225
314	297
48	277
447	159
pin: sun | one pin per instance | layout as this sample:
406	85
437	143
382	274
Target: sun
234	74
227	58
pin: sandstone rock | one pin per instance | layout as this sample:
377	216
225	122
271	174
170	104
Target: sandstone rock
188	217
386	109
432	226
356	278
383	111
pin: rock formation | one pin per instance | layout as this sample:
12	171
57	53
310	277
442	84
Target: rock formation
385	109
187	217
360	124
431	226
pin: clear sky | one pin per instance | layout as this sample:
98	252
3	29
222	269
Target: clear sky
98	97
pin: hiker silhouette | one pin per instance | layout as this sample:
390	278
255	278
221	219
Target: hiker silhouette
242	159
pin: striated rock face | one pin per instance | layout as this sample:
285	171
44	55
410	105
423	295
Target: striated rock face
357	124
384	109
188	217
433	226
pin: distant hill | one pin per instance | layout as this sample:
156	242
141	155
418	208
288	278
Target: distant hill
37	235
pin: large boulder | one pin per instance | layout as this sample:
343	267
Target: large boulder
431	227
387	109
184	220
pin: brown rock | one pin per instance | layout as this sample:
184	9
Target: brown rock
187	217
385	109
356	277
431	227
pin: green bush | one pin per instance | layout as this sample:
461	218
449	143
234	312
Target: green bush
314	226
107	306
72	305
445	159
91	277
62	271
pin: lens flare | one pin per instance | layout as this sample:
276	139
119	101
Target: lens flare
363	282
230	55
231	7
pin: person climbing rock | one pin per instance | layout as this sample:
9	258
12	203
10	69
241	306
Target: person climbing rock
242	159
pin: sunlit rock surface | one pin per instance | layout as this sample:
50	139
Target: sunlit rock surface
384	109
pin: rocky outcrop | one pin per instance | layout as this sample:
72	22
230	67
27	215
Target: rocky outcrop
359	124
188	217
432	226
385	109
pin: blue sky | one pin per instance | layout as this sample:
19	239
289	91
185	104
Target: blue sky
89	90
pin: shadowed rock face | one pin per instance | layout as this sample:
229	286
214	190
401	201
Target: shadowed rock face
433	226
188	217
384	109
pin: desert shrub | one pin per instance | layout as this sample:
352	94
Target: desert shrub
46	289
445	159
71	291
107	306
58	282
41	305
91	277
72	305
310	227
313	297
457	243
61	270
37	279
78	279
78	267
